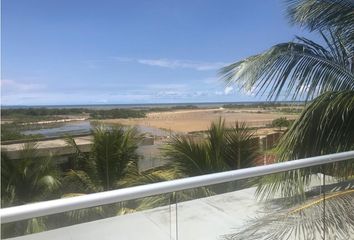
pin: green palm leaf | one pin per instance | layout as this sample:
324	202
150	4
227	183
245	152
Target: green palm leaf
222	150
324	74
302	69
189	156
330	118
165	173
112	151
112	158
337	15
76	181
242	146
305	221
28	179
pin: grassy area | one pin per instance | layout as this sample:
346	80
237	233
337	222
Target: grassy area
117	113
18	117
12	131
166	109
272	107
22	115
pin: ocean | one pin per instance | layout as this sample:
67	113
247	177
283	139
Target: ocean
149	105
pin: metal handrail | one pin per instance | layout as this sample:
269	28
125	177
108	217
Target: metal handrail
32	210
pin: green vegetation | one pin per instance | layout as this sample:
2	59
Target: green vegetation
326	124
262	105
113	154
304	69
281	122
29	179
22	116
41	111
12	131
117	113
289	110
165	109
113	163
33	178
284	108
37	114
25	115
224	149
323	75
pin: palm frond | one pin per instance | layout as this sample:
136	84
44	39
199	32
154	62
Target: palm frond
306	221
302	69
165	173
79	160
28	179
222	150
35	225
242	146
216	142
336	15
7	179
188	155
291	185
325	126
20	228
330	18
113	149
79	182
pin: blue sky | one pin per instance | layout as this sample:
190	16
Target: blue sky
115	51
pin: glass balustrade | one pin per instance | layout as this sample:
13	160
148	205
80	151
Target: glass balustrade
270	207
308	203
145	218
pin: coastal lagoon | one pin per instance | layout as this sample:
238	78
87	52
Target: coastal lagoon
85	127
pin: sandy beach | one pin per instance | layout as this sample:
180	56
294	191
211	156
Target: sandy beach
185	121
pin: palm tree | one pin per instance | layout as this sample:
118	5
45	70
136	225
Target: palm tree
28	179
113	153
111	164
306	70
224	149
324	77
112	158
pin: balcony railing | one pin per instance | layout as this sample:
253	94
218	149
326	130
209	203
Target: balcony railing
212	206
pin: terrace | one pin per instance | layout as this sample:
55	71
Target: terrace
233	210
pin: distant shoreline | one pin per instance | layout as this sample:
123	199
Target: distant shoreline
149	105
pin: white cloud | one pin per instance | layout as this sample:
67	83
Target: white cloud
228	90
175	63
174	86
169	93
15	86
30	93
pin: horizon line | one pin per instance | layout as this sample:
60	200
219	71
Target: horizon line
162	103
